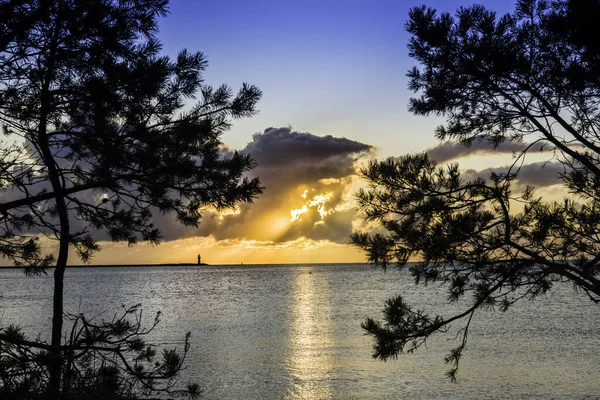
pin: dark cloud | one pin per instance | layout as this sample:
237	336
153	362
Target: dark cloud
451	149
295	168
539	174
279	146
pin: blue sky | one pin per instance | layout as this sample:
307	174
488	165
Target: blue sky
325	67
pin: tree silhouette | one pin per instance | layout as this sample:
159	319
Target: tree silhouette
529	77
96	139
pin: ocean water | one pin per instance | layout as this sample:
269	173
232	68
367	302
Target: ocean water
293	331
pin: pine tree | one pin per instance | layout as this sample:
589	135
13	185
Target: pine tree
101	133
529	77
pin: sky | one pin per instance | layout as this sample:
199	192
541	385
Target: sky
334	95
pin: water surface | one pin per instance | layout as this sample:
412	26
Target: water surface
293	332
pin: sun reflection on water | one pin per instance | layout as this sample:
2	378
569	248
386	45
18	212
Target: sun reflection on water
310	362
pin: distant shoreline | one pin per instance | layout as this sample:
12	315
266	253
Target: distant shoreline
183	265
122	265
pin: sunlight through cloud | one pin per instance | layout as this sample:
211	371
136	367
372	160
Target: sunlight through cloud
317	201
297	212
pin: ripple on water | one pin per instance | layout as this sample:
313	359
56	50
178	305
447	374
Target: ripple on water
278	332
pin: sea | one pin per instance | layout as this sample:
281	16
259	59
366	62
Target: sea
294	331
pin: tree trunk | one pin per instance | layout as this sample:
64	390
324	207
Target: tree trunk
55	359
55	368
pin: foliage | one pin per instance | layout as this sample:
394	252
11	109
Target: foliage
103	360
87	97
529	77
100	135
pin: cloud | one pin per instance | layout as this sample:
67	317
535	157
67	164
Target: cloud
541	174
278	146
451	149
311	197
313	175
300	171
309	184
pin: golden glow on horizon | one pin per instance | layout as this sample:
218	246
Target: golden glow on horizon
228	251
